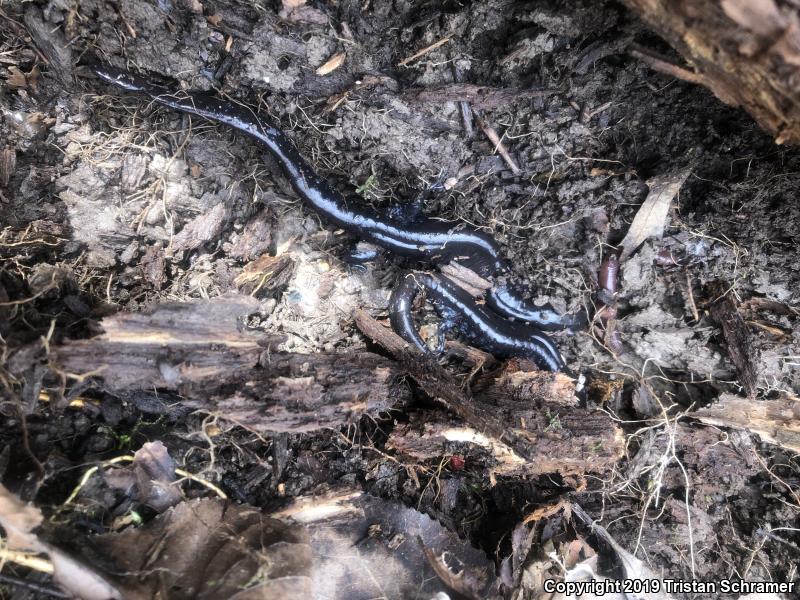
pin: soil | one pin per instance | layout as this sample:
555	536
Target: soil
108	204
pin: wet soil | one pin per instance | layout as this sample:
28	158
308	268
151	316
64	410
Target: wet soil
110	204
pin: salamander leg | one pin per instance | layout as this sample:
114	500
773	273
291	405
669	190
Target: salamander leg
360	254
450	321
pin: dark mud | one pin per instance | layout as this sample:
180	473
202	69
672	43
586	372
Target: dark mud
110	204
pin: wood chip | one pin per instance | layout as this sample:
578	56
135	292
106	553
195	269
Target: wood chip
333	63
8	161
651	220
737	336
776	421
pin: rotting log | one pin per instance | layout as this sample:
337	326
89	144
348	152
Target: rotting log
200	351
521	423
745	51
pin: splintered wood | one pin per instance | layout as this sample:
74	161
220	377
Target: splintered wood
737	335
546	432
776	421
745	51
199	350
517	422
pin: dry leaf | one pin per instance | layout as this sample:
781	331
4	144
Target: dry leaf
209	548
651	219
333	63
214	20
16	78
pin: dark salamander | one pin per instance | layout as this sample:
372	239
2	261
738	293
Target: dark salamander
481	326
423	239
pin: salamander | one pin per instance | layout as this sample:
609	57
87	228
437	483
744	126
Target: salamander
481	326
423	239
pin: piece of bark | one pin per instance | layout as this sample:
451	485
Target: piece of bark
745	51
199	350
737	335
202	229
776	421
172	345
305	392
51	42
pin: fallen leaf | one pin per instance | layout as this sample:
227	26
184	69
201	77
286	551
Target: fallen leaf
211	548
651	219
352	532
214	20
333	63
632	567
16	78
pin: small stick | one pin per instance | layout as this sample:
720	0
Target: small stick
424	51
664	66
692	304
463	105
498	143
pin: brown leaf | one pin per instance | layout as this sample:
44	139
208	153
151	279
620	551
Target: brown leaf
204	549
333	63
651	219
214	20
16	78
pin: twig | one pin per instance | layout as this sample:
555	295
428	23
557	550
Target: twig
662	65
424	51
498	143
690	296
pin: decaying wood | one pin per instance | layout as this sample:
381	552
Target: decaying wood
199	350
737	335
776	421
528	422
746	51
172	345
306	392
